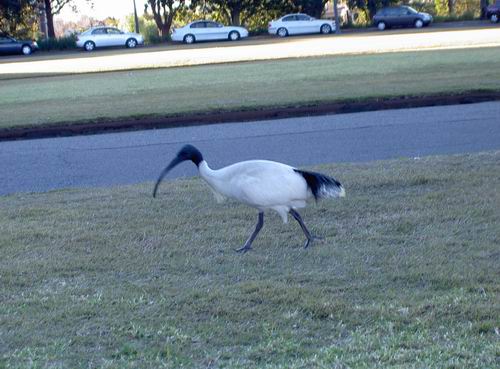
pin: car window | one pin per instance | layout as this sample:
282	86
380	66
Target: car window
212	24
113	31
99	31
289	18
303	17
198	25
4	40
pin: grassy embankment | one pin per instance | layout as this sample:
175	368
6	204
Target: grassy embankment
111	278
253	85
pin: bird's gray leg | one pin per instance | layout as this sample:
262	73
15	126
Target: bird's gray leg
248	245
309	237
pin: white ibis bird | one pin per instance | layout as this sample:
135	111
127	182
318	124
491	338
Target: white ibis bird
263	185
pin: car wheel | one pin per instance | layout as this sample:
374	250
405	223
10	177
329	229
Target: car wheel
381	26
234	36
325	29
89	46
282	32
419	23
189	39
131	43
26	50
494	18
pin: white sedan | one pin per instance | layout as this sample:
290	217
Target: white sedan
295	24
107	36
207	31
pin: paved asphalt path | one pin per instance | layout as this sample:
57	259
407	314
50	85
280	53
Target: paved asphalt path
248	50
133	157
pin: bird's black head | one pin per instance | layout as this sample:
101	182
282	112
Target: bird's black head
188	152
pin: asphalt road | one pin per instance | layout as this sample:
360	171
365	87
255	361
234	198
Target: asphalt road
133	157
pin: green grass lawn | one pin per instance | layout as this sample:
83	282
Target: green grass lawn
252	85
407	277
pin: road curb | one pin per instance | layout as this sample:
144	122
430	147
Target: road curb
205	118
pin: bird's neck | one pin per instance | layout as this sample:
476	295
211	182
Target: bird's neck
207	173
212	177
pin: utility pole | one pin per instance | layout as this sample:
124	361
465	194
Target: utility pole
136	20
337	22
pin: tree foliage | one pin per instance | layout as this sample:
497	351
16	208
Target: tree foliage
238	12
18	17
311	7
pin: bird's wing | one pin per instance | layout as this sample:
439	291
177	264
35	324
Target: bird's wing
267	184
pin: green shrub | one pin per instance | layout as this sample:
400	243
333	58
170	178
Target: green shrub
61	43
147	28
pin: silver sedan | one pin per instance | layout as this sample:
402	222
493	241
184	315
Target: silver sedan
295	24
107	36
207	31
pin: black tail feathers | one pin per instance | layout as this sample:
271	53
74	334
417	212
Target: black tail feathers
322	186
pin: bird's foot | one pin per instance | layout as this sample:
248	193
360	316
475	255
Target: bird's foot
244	249
312	239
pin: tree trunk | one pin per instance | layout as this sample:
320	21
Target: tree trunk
163	14
451	7
50	19
235	17
483	4
372	8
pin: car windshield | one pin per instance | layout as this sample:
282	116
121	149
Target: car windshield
411	9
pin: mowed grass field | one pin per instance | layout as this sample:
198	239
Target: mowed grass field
253	85
407	276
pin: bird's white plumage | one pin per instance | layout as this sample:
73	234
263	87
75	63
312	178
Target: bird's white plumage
261	184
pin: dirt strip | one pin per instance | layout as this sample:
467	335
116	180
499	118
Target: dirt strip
200	118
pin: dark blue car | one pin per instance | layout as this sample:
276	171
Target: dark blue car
400	16
9	45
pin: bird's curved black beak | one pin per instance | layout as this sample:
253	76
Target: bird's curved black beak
165	171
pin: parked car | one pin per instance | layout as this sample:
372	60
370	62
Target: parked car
294	24
9	45
400	16
205	30
493	12
107	36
